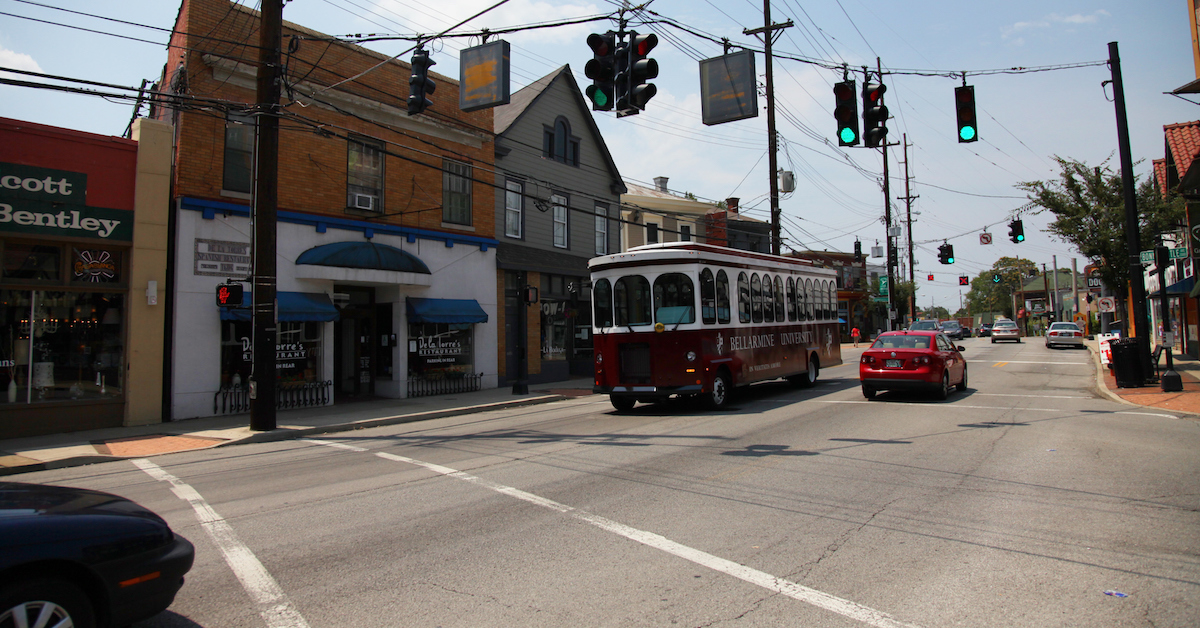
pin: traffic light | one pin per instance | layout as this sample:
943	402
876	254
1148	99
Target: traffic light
641	69
846	112
946	253
229	295
420	86
857	251
930	277
995	277
964	98
963	280
874	115
1016	231
893	260
602	70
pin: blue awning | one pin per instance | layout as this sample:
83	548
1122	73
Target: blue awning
444	311
293	307
363	254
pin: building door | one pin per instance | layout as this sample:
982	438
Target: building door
353	346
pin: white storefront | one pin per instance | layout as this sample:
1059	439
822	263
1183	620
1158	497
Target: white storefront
371	310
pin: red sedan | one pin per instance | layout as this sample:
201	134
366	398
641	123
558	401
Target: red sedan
912	360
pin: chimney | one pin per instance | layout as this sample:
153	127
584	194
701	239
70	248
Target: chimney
731	204
660	184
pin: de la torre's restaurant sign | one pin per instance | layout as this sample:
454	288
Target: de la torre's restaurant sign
53	202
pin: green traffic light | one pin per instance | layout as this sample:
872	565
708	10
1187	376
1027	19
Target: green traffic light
600	98
967	133
847	135
1020	237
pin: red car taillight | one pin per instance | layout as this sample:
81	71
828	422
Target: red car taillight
921	359
868	359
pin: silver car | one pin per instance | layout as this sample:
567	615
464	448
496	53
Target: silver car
1005	330
1065	334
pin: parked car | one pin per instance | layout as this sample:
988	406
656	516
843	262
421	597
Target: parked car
1005	330
985	330
924	325
1066	334
71	556
912	360
953	330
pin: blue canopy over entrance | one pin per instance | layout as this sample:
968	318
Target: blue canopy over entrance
445	311
363	255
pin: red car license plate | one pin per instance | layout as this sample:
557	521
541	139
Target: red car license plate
892	364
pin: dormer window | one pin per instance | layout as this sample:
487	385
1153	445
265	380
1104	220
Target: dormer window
558	143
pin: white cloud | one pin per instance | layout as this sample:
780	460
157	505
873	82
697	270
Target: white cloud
18	61
1014	34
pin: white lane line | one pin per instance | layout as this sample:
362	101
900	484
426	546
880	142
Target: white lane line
273	604
820	599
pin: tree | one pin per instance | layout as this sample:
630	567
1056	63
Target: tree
1089	211
989	295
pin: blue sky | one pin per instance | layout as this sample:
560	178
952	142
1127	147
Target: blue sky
963	189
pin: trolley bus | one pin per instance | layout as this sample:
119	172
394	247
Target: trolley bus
688	319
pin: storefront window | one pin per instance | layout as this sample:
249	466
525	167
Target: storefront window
60	345
554	330
440	350
32	262
92	265
297	352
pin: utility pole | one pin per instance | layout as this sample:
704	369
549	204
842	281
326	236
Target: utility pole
887	215
908	198
1133	238
768	37
266	197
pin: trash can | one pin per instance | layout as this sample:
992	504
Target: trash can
1127	368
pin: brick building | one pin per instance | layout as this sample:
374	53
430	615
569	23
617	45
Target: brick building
385	221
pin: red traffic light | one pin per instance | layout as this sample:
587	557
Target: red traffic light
872	92
963	280
600	44
643	44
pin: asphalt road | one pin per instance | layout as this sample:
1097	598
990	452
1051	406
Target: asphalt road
1020	502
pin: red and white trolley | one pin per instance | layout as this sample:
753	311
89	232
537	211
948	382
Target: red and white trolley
686	319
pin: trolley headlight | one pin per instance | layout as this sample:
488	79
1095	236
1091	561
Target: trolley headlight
659	327
599	358
691	356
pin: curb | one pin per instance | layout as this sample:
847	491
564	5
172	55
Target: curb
282	434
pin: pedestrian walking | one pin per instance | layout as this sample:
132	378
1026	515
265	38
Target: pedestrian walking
854	336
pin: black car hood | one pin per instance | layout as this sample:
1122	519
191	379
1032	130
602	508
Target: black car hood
93	526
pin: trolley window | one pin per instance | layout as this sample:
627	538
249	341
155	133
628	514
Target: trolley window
674	299
768	299
743	298
631	299
722	297
779	307
708	297
791	299
602	304
756	313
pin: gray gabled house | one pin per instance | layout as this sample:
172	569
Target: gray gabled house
557	206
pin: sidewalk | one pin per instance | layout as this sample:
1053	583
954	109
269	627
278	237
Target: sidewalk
36	453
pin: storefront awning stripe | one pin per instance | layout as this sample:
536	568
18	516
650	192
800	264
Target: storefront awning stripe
363	255
444	311
293	307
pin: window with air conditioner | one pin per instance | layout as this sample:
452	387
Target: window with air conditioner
364	175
